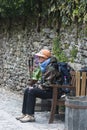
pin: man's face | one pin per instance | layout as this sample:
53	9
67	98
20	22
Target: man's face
41	59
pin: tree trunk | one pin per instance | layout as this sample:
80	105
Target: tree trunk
58	23
39	15
9	27
24	22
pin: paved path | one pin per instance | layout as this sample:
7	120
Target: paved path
10	107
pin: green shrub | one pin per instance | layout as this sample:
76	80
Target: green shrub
57	50
73	52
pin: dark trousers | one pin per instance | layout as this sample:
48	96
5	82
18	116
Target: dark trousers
30	96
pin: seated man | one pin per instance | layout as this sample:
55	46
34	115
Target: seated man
48	74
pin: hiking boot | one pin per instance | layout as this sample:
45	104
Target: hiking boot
27	118
20	117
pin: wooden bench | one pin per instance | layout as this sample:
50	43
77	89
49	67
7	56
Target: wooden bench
60	102
78	84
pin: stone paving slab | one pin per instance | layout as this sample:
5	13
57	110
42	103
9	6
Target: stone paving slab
10	107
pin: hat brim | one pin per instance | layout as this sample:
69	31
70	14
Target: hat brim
40	55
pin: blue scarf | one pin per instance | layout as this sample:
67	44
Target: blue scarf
44	65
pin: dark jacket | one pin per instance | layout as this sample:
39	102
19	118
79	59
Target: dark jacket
51	75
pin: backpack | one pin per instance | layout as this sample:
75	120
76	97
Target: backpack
64	69
65	76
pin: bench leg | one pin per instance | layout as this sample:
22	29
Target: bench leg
53	106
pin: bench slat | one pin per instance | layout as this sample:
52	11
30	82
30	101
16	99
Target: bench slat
77	83
83	84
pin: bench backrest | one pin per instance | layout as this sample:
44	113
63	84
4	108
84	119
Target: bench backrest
73	78
81	83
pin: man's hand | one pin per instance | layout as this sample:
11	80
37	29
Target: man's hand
30	87
31	82
40	86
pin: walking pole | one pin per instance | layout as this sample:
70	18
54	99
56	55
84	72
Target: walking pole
30	64
32	60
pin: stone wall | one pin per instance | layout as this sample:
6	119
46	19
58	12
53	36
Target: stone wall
14	54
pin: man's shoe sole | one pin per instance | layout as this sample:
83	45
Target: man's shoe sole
27	121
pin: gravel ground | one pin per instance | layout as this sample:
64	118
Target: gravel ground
10	107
